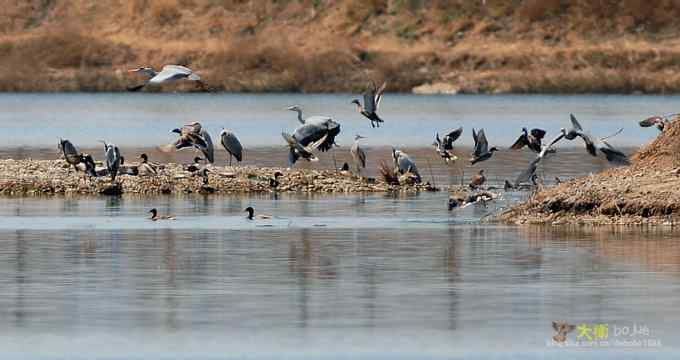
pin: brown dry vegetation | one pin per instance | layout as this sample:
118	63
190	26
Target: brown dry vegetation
646	192
323	45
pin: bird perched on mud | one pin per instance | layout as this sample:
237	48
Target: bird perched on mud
482	151
531	139
358	154
477	180
196	166
231	143
156	217
659	121
404	164
316	132
252	216
592	144
113	159
274	181
80	162
147	168
297	150
168	74
372	98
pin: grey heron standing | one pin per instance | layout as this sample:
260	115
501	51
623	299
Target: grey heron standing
112	155
358	154
169	73
231	143
482	151
297	150
403	163
372	98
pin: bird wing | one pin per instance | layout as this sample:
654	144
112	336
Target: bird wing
651	121
362	157
538	133
369	101
379	94
590	145
317	120
170	73
614	155
575	123
482	144
451	137
521	142
208	149
525	176
554	141
474	138
309	133
231	144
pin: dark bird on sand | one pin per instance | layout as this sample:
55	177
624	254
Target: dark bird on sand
196	166
274	181
372	98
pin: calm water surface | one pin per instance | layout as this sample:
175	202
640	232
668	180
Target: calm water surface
329	277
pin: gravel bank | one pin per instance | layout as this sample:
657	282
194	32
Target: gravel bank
47	177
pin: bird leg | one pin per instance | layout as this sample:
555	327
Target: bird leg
229	159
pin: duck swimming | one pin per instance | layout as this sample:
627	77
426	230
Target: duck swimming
251	215
155	216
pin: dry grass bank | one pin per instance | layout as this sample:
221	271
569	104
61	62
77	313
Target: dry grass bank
323	45
646	192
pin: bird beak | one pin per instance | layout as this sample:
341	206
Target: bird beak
134	70
290	108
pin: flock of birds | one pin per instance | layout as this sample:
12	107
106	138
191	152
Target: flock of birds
318	133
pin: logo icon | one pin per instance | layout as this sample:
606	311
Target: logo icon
561	330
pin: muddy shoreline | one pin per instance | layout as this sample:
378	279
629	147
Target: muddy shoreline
643	193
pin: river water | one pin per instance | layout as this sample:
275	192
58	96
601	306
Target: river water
330	276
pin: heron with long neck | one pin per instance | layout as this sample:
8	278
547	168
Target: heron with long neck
358	154
168	74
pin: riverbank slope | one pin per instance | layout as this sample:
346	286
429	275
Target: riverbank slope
646	192
442	46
